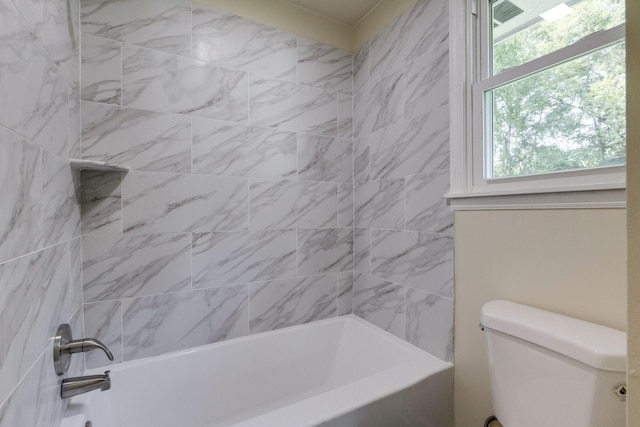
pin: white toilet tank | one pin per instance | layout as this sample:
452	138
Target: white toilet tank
551	370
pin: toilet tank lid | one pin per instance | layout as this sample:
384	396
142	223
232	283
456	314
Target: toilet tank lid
595	345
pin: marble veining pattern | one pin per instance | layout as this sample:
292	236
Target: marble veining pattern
345	293
362	159
237	42
116	267
380	204
379	104
361	71
430	323
282	303
222	259
101	202
400	150
163	323
291	106
325	251
345	116
61	211
224	148
427	82
159	202
103	321
291	204
426	208
34	93
61	36
158	81
324	66
36	295
21	208
322	158
345	205
101	70
156	24
75	138
420	260
142	140
362	250
380	302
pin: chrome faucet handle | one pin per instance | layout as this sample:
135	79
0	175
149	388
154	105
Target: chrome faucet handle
87	344
64	346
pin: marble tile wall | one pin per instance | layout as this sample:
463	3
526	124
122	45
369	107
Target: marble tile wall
403	235
237	214
40	244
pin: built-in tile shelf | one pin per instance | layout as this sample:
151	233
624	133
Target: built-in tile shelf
81	164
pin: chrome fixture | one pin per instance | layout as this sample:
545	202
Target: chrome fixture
64	346
78	385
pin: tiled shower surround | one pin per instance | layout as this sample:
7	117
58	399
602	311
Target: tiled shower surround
403	235
274	181
237	214
40	285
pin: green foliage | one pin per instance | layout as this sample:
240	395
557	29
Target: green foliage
571	116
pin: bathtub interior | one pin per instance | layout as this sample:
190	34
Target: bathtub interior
232	382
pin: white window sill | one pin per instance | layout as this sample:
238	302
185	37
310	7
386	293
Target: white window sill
611	198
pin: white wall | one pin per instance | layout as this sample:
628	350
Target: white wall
568	261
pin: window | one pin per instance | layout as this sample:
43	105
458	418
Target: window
547	108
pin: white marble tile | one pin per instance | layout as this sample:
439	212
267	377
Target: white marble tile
159	202
224	148
74	292
323	158
427	82
222	259
33	12
36	297
101	202
157	24
420	260
324	66
101	70
411	146
60	207
426	208
380	302
21	207
158	81
379	104
380	204
345	205
34	99
325	251
160	324
75	138
289	302
290	204
142	140
345	116
291	106
414	33
361	70
237	42
362	250
61	36
430	323
345	293
362	159
103	321
36	401
116	267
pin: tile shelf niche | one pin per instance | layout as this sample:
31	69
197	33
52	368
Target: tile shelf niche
82	164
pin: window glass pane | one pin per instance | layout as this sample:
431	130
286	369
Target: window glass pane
527	29
571	116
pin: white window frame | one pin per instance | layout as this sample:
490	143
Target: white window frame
469	78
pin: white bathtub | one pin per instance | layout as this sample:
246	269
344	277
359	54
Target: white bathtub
338	372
